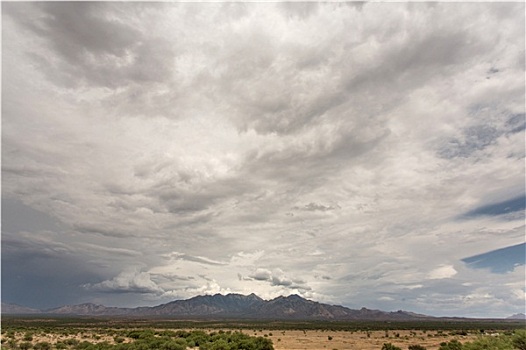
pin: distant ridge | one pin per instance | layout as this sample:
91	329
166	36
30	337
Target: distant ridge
87	309
251	306
519	316
8	308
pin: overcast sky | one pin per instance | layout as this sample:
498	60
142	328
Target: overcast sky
369	155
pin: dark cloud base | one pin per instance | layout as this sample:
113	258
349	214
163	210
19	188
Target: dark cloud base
43	281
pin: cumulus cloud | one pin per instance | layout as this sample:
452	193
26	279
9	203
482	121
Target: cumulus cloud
278	278
127	282
446	271
261	275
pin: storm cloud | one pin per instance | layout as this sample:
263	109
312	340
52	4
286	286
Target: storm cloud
352	153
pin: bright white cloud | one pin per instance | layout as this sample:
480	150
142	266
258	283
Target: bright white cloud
446	271
127	282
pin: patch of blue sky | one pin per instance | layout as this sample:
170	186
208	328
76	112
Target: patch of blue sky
475	138
499	261
517	123
513	205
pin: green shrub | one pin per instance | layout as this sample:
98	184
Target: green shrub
25	346
197	338
118	339
10	334
60	346
85	345
416	347
263	344
389	346
44	345
489	343
172	345
141	334
519	340
452	345
220	344
11	344
71	341
168	333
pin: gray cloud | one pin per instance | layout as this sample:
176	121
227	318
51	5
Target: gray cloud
197	259
299	10
475	139
317	207
262	275
17	213
42	273
92	45
517	122
278	278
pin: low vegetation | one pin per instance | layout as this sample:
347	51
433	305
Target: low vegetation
141	339
507	341
140	334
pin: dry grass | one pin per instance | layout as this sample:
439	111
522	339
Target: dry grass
299	339
343	340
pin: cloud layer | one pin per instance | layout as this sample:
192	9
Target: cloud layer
351	153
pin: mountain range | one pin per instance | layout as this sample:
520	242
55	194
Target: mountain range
519	316
238	306
251	306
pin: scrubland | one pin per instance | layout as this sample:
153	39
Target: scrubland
121	334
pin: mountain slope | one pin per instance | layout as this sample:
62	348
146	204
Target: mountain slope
295	307
87	309
207	305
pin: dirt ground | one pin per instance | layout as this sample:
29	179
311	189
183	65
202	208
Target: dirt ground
358	340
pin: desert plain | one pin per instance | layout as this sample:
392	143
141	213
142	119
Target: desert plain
64	334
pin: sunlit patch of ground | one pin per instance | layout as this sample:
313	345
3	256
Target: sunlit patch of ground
342	340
